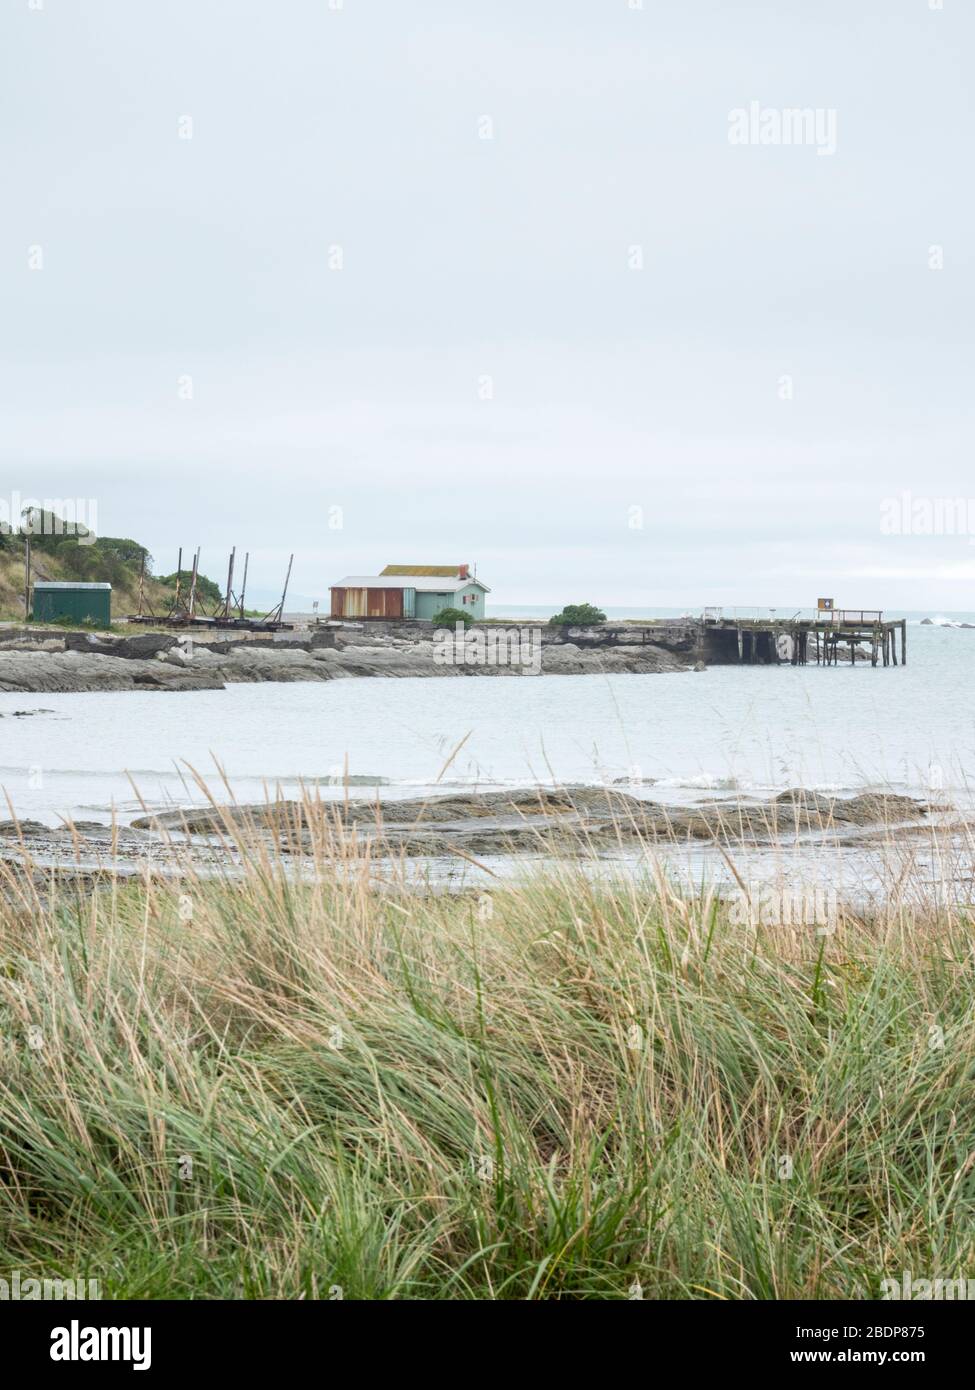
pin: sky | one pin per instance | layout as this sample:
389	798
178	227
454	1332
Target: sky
556	288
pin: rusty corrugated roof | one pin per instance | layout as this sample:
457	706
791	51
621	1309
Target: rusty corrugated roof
438	571
423	583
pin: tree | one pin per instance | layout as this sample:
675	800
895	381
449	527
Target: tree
449	617
579	615
126	551
207	590
49	532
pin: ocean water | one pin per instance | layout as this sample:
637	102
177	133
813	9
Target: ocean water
750	729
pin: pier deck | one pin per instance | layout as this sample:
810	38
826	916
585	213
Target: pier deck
721	638
803	640
825	639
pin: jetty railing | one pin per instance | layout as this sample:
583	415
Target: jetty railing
758	613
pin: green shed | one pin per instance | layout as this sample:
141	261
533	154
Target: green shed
73	603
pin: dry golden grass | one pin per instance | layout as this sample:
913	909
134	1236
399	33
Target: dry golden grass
583	1086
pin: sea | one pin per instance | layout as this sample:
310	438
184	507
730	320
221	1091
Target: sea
729	730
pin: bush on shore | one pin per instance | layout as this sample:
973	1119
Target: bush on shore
578	615
450	617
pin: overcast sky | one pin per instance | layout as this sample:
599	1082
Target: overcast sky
386	303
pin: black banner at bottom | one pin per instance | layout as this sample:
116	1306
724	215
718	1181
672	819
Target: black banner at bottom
175	1338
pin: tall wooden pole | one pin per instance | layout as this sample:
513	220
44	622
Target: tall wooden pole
243	587
230	584
196	570
26	576
287	579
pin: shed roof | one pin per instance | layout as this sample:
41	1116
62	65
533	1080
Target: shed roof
441	571
66	584
424	584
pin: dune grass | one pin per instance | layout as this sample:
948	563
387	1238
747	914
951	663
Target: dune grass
573	1088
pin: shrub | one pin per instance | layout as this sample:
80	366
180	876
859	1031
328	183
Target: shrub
579	615
449	617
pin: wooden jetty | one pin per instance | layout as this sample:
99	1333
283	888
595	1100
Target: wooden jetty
719	637
830	637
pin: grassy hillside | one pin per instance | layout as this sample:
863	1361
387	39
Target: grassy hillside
52	565
114	560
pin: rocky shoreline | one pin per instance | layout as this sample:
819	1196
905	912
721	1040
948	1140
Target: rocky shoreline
39	661
543	819
541	822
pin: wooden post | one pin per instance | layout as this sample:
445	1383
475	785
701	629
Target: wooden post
196	570
893	645
243	587
26	575
903	641
287	579
230	584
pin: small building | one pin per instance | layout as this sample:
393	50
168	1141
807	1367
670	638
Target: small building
410	592
73	602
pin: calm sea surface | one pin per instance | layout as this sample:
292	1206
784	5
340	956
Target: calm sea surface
729	728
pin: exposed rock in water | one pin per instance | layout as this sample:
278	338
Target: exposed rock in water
539	821
545	822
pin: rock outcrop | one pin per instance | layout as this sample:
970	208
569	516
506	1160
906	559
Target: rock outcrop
544	819
39	663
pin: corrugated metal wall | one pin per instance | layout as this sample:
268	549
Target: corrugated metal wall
73	605
367	603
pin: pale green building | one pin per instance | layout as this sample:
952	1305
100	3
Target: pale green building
409	591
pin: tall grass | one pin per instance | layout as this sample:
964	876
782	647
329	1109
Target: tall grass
310	1086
